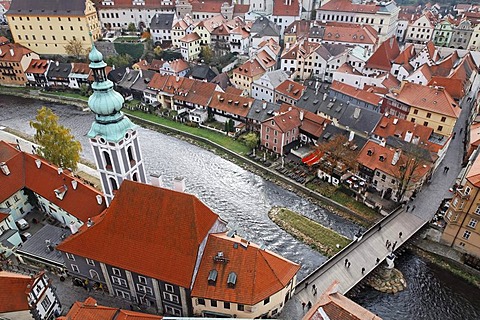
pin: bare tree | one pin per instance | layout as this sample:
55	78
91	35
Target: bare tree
338	151
407	170
75	48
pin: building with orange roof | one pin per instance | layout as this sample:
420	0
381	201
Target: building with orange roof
333	305
56	191
177	67
381	16
349	34
14	60
461	232
25	297
244	75
289	92
89	309
430	106
401	67
237	276
285	12
180	29
36	73
381	60
281	132
392	172
79	75
205	28
226	106
355	96
190	46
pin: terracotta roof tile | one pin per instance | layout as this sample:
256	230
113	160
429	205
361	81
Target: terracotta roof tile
129	231
473	174
385	54
429	98
287	120
190	37
348	6
231	103
38	66
80	68
250	68
350	33
260	273
14	292
286	8
313	124
359	94
18	52
291	89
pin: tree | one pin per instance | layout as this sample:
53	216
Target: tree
57	144
75	48
206	54
406	171
131	27
85	90
250	140
122	60
158	51
337	151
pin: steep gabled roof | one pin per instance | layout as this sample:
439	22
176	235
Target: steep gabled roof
37	66
231	103
286	8
13	52
14	292
356	93
250	68
291	89
288	120
385	54
258	273
147	223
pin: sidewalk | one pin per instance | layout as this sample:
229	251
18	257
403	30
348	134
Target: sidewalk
27	147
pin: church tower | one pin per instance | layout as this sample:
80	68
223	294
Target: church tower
113	137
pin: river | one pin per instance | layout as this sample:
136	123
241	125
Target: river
243	199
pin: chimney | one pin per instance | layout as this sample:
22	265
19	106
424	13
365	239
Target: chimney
408	136
383	143
12	52
356	113
324	96
73	227
396	156
290	87
179	184
301	115
177	78
264	104
89	222
156	180
351	136
4	168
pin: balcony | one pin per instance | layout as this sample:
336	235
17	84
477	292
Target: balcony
463	193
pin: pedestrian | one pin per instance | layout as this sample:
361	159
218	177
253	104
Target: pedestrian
346	261
378	261
386	243
394	245
363	270
461	129
309	305
408	208
448	168
379	226
413	207
306	284
303	305
400	234
454	134
348	265
314	290
445	169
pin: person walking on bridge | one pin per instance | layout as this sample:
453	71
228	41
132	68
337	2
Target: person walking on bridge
363	270
346	262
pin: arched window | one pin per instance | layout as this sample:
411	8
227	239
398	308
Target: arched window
131	158
108	161
94	275
135	177
113	183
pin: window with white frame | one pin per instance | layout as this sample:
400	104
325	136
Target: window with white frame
170	297
142	279
90	262
477	210
94	274
123	294
119	281
75	268
169	288
466	234
116	272
70	256
144	289
473	223
173	311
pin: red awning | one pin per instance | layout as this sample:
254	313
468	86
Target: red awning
312	158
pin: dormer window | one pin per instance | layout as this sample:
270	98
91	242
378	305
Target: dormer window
381	158
212	277
232	279
369	152
60	192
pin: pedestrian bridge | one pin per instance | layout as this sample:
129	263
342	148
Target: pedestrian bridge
361	253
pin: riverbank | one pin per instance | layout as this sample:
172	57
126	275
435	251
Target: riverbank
234	151
313	234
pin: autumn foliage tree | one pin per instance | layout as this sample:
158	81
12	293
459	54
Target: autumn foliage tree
57	144
337	151
75	48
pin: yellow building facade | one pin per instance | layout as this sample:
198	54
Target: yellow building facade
47	26
441	123
462	231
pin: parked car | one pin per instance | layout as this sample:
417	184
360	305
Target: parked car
25	236
22	224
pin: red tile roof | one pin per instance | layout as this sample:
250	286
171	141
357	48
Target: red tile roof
373	161
147	223
385	54
18	52
291	89
81	68
207	5
313	123
260	273
14	291
356	93
198	92
233	90
435	99
348	6
453	86
250	68
231	103
81	203
190	37
3	216
473	174
90	310
38	66
288	120
289	8
153	4
350	33
406	55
